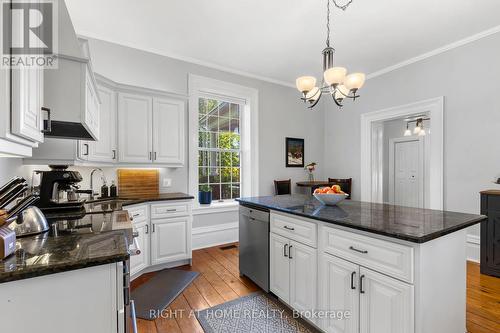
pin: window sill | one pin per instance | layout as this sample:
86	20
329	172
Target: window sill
216	207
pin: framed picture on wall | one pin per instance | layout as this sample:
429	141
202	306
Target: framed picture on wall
294	153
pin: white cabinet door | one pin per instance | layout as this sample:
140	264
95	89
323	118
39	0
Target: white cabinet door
91	115
303	276
135	128
386	304
141	261
104	150
168	131
27	102
338	290
170	239
279	263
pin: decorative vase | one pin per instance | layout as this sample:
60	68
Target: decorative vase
205	198
311	176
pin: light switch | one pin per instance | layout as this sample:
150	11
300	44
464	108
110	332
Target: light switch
167	182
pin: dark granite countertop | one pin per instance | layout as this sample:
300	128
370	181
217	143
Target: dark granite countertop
92	240
410	224
159	197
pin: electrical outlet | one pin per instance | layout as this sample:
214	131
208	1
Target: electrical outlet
167	182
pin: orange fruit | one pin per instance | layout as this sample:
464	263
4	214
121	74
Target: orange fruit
318	190
330	192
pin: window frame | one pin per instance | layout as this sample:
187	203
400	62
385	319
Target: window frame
200	86
220	151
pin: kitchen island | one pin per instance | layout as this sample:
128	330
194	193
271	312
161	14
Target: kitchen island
394	269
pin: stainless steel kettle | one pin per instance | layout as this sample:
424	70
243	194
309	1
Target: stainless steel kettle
30	221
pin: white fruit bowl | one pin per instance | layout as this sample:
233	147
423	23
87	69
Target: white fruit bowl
330	199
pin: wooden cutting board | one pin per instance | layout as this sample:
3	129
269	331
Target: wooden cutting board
138	183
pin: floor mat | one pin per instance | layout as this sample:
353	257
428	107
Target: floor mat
157	293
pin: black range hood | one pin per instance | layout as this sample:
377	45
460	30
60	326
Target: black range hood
67	130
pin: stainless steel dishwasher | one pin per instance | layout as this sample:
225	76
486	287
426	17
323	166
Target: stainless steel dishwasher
254	245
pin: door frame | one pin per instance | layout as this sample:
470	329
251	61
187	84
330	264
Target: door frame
421	172
435	107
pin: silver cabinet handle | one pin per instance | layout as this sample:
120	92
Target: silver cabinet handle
353	274
86	145
284	250
357	250
155	156
47	127
135	215
150	158
171	210
114	154
147	229
153	227
133	316
290	252
288	228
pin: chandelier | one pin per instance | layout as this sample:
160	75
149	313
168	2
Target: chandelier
335	81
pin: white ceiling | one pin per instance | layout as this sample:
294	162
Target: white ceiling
282	39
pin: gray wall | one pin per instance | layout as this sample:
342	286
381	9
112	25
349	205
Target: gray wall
9	167
281	113
468	79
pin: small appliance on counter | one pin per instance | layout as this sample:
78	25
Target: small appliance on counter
57	189
7	242
21	218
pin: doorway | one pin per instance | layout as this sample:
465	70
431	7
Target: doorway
406	172
374	179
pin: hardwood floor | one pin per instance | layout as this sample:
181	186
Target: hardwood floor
219	281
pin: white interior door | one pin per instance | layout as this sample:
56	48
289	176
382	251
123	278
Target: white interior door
406	172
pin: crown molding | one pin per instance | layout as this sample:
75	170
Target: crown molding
195	61
435	52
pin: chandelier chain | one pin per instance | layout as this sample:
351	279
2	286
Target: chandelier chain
342	7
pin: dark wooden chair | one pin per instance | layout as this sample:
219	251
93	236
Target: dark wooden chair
283	187
345	184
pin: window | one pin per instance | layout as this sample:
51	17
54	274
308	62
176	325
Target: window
219	147
223	141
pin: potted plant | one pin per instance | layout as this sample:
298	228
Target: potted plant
205	195
310	168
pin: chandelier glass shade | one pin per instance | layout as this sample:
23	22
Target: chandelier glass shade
335	82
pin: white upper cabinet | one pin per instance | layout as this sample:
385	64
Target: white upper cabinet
105	149
151	130
168	131
135	126
27	103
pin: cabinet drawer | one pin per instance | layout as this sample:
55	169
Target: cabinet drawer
385	257
295	229
162	210
138	213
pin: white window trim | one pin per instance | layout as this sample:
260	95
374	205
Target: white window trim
199	86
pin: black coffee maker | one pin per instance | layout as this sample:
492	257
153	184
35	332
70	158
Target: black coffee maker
55	185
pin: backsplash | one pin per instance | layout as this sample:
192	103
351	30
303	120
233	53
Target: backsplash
14	168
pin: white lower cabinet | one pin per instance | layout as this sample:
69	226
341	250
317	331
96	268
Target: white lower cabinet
141	261
170	239
293	274
338	285
279	278
377	303
386	304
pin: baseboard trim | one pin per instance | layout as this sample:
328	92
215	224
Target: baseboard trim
473	248
203	237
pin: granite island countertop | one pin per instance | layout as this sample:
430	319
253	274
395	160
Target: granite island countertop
94	239
415	225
